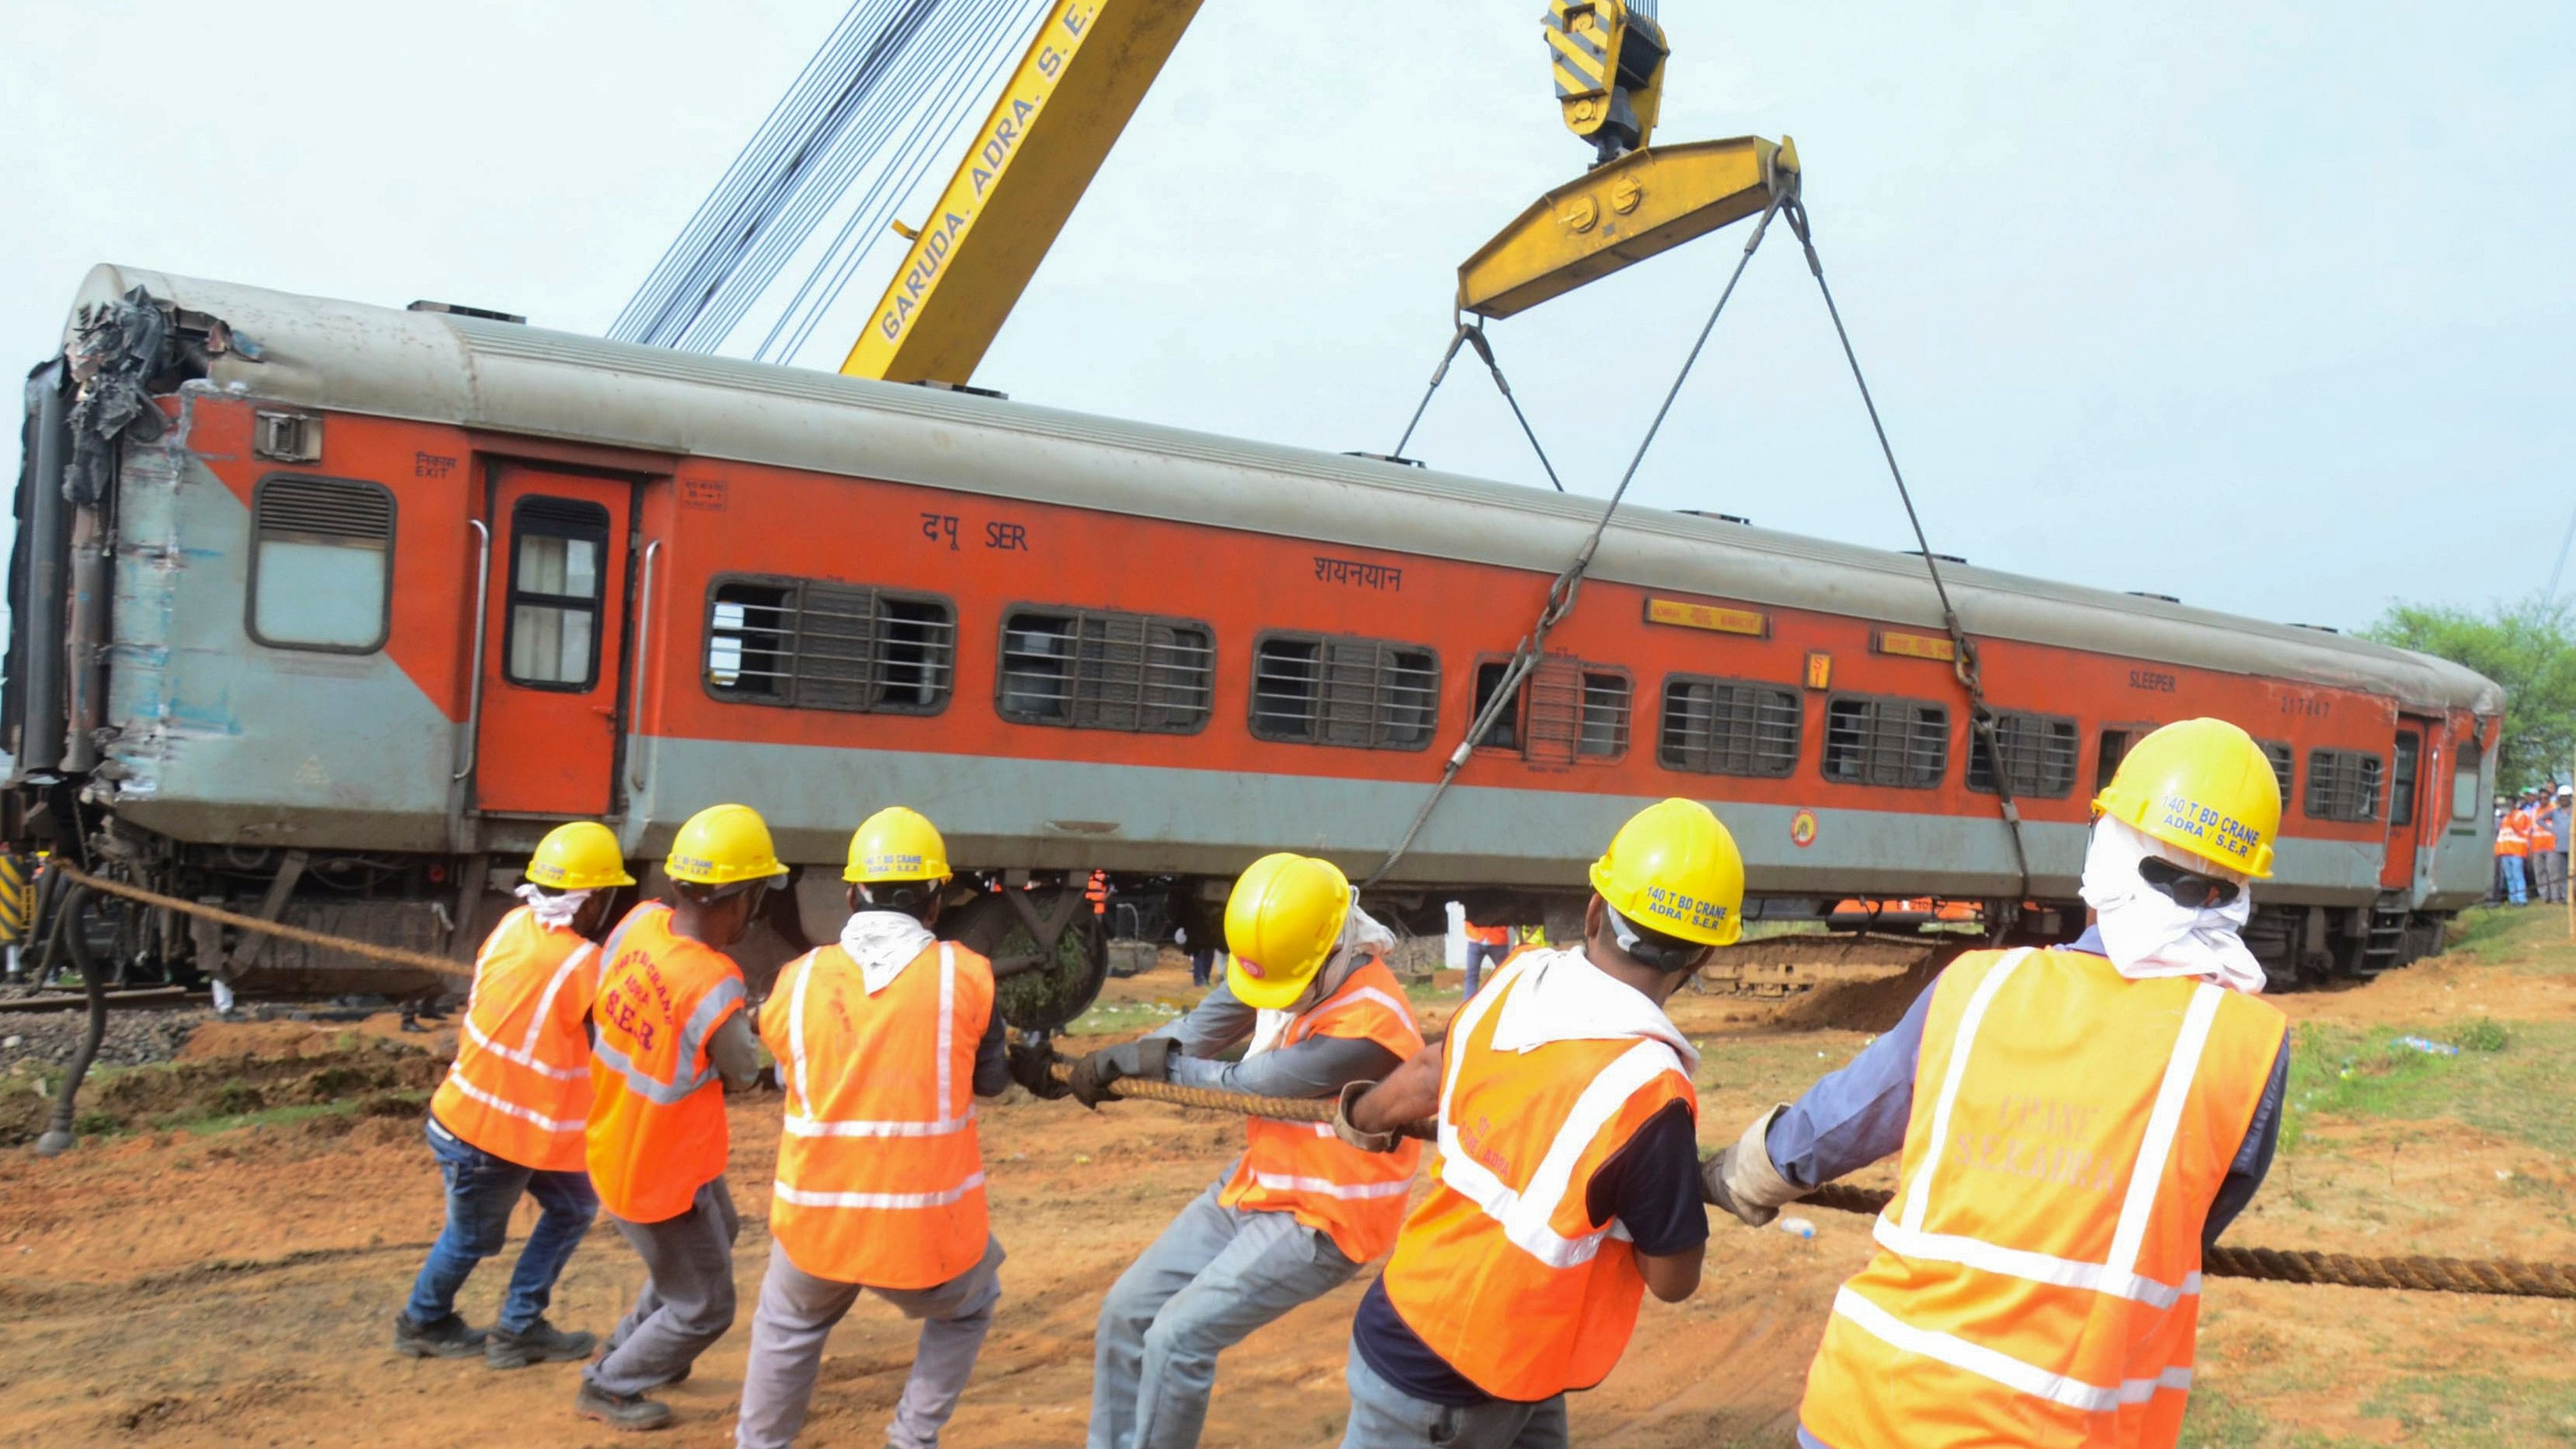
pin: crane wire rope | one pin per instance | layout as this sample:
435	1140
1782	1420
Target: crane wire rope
1473	335
880	99
1561	594
841	156
1981	716
848	64
791	113
868	220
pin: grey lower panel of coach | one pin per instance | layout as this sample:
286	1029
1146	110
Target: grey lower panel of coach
1051	814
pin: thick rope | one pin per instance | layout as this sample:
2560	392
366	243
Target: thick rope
2505	1277
1284	1109
392	955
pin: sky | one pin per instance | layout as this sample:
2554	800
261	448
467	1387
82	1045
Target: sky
2263	305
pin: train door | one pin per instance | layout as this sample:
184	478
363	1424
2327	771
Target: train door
2406	777
553	624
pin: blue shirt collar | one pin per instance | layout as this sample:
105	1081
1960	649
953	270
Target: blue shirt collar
2090	943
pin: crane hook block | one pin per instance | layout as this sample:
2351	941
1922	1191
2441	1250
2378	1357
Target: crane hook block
1608	59
1620	213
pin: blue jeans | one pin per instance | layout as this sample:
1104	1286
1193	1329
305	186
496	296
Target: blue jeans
2513	882
481	1191
1481	958
1202	966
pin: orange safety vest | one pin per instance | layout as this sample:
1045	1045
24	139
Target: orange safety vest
1490	935
880	1179
1355	1198
2038	1274
1501	1269
657	1119
2513	833
2543	838
520	1088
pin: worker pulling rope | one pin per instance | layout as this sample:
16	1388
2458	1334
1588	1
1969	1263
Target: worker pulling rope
2504	1277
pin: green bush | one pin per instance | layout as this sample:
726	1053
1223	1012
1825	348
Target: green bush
234	1098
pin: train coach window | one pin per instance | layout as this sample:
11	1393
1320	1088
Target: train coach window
1363	693
2110	751
555	552
1729	727
320	575
2401	778
1504	732
1567	710
2281	756
2466	797
2343	785
1101	671
808	644
2038	751
1605	715
1899	742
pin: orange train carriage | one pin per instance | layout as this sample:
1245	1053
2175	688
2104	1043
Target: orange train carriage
363	600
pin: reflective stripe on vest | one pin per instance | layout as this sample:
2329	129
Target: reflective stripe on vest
894	1198
657	1130
517	1063
2038	1183
1516	1287
1356	1198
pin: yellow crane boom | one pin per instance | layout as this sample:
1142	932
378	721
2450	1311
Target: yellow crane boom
1054	123
1089	66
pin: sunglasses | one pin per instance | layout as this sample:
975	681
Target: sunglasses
2186	888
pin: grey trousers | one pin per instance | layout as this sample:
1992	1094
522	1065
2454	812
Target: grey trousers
795	1316
1386	1417
1214	1276
688	1298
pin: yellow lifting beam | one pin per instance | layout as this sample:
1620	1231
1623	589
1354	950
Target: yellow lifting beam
1079	82
1620	213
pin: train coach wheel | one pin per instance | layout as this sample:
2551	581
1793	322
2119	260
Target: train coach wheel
1038	988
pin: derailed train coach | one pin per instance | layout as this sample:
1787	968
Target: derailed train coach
325	612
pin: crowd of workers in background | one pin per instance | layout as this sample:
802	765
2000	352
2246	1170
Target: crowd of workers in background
2531	845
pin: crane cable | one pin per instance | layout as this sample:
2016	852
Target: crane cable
1561	594
1963	663
1473	335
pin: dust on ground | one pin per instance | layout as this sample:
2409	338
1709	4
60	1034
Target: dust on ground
229	1277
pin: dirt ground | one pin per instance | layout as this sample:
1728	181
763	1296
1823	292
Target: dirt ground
233	1281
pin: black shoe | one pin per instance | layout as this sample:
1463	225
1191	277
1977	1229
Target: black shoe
620	1411
542	1343
446	1338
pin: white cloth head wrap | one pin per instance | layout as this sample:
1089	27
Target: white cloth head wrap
883	943
2148	934
1363	940
554	912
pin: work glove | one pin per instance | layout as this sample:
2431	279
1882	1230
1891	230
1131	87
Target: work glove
1149	1060
1742	1180
1029	1068
1342	1128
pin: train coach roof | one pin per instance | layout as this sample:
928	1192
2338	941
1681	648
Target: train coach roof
511	378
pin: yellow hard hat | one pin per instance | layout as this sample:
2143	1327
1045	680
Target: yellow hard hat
1281	924
895	844
581	856
2203	787
1673	868
723	845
